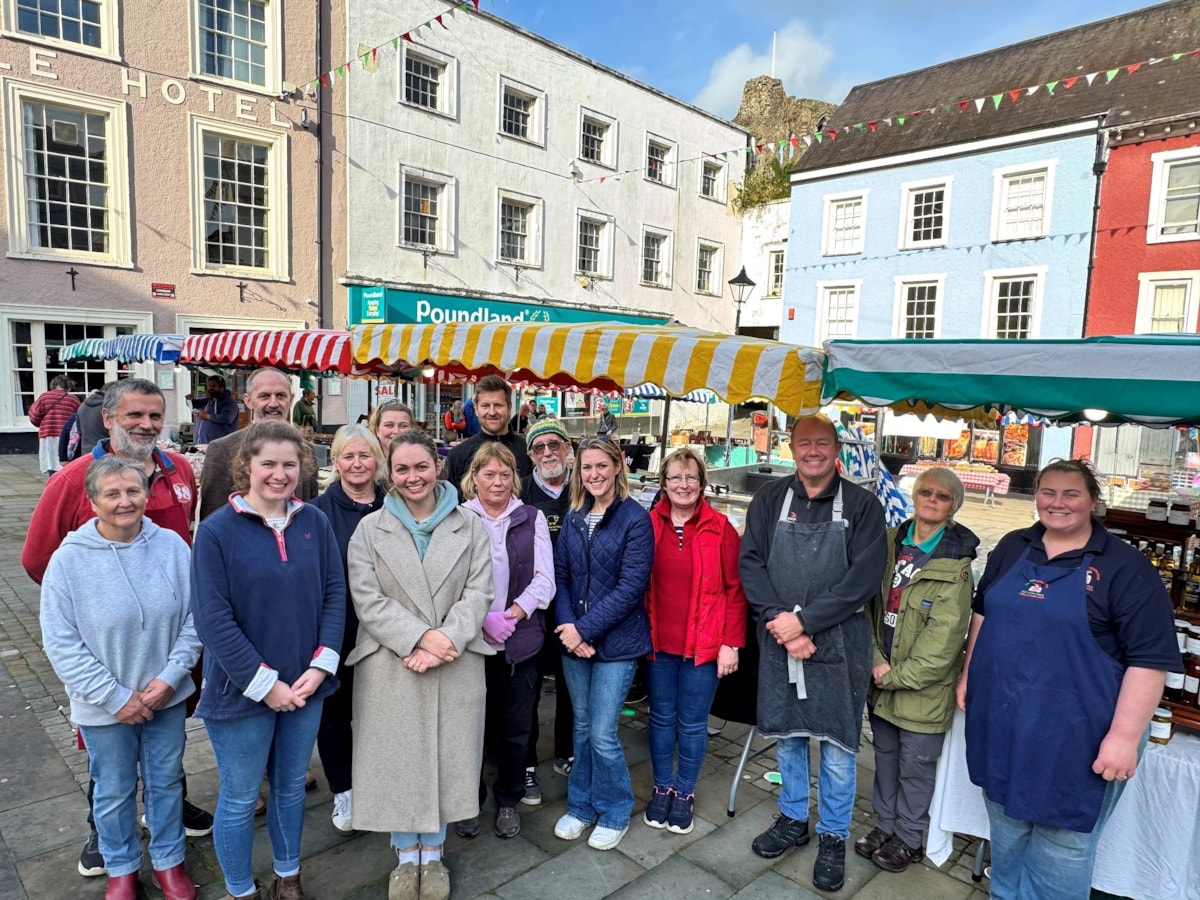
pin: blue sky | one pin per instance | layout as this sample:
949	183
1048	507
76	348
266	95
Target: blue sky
704	50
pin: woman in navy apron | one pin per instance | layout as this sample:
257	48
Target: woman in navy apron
1069	646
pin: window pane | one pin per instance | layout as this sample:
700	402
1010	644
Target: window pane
927	209
652	252
514	228
841	304
421	213
515	114
1025	197
67	20
592	140
421	82
1014	308
1170	307
656	162
847	226
704	269
708	180
233	45
775	288
920	311
236	202
1182	213
589	246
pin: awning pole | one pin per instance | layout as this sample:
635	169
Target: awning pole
666	431
437	410
729	435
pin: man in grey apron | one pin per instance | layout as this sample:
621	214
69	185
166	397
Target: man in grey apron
813	556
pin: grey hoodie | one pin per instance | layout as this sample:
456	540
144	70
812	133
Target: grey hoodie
117	616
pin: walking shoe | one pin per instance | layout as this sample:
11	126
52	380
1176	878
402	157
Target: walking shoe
435	881
866	845
896	854
286	888
569	828
404	883
784	832
606	838
660	805
829	871
121	887
563	766
467	828
343	812
508	823
679	819
91	862
533	789
196	821
175	883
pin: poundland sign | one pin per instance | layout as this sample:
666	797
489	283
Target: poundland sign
391	306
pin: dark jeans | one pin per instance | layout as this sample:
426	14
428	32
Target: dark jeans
681	693
550	663
335	738
511	691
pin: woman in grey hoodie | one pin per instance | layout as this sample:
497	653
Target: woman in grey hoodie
118	630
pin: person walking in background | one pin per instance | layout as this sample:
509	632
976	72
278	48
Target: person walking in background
388	420
493	407
455	421
697	625
90	419
421	582
918	624
218	415
602	568
606	422
50	413
117	628
523	572
813	557
304	413
354	490
269	600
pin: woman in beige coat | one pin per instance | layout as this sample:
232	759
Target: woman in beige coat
421	579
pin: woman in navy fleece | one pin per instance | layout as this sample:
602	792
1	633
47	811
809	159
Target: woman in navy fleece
269	602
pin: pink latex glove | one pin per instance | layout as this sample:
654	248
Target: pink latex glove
498	627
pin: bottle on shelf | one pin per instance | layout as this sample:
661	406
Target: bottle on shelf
1191	589
1191	669
1166	568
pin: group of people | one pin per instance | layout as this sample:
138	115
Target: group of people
402	622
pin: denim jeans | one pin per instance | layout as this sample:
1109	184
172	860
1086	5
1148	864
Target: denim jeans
835	784
406	840
598	788
681	694
116	752
281	743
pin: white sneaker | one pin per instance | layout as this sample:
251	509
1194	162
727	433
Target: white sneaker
343	810
606	838
570	828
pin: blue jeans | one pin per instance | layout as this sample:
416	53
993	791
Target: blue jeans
681	694
281	743
116	752
598	788
835	784
406	840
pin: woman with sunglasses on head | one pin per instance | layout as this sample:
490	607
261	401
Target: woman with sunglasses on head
697	614
918	625
602	564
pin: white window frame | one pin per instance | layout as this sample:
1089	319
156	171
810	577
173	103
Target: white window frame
609	149
769	289
533	235
608	229
722	181
991	299
666	255
447	219
1148	282
447	104
829	202
1158	188
670	160
120	241
110	32
902	284
824	288
273	70
1002	177
910	188
718	268
279	217
537	113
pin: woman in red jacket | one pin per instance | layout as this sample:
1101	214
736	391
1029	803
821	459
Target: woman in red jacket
456	422
50	413
697	623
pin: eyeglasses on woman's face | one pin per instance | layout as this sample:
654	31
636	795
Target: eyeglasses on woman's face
930	494
682	479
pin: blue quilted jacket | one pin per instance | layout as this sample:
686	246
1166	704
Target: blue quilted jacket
602	582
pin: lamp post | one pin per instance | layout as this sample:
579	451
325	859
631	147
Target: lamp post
740	287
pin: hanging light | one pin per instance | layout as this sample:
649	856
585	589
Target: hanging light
1095	415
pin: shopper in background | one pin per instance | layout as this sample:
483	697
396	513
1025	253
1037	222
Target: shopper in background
218	415
455	421
389	419
304	413
471	417
50	413
606	422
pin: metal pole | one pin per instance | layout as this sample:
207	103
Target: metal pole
737	324
437	409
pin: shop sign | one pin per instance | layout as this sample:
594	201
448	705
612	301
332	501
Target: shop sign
378	305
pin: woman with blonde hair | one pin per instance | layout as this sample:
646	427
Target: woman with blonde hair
389	419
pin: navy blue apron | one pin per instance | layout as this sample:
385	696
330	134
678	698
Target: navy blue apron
1041	694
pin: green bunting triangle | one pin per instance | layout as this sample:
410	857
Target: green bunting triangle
900	119
1110	75
1175	57
341	70
1050	86
859	125
395	42
818	136
996	100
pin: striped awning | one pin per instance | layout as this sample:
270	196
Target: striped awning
310	350
127	348
88	348
654	392
680	360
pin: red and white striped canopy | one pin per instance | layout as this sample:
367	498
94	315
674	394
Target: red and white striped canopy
311	350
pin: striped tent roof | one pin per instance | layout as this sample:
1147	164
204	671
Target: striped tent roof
654	392
88	348
127	348
310	350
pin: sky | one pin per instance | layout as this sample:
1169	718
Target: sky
703	51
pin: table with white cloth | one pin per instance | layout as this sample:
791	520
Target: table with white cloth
1150	846
991	483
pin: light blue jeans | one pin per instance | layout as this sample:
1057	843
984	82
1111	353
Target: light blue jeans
115	754
836	780
681	694
598	788
406	840
281	743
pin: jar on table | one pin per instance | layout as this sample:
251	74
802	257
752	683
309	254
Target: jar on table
1179	513
1161	726
1181	633
1156	511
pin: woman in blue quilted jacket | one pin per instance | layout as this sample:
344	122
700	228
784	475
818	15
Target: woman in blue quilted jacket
602	564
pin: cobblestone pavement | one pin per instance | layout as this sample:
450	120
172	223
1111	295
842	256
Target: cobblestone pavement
43	808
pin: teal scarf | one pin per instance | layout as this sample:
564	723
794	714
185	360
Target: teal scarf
422	532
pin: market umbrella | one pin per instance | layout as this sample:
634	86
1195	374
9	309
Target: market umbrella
310	350
127	348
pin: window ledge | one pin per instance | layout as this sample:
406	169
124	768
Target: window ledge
663	184
520	140
1171	238
711	199
73	258
234	272
535	266
440	113
1020	240
244	87
58	44
855	252
657	285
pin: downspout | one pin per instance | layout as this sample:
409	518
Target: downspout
320	244
1099	165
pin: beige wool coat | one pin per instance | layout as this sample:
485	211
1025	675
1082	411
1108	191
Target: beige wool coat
418	738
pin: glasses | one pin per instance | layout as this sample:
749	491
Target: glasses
546	447
682	479
928	493
598	439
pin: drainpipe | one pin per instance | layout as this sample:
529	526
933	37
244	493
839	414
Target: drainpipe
1099	165
321	130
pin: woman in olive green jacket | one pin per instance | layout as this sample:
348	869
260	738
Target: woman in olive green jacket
919	626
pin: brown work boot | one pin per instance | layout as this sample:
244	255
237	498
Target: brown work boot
286	888
895	855
866	845
435	881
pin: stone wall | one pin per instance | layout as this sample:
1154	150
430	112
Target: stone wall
771	116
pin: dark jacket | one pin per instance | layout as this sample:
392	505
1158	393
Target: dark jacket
65	454
91	422
602	581
555	509
459	460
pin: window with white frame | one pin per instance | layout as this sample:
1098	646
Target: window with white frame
82	26
597	138
429	80
775	260
68	175
1013	303
845	224
918	306
426	210
1168	302
712	180
708	268
656	257
926	212
239	199
837	310
520	229
1174	196
593	244
238	41
660	161
521	111
1021	198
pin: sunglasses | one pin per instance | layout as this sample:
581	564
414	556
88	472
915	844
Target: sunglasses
598	439
546	447
928	493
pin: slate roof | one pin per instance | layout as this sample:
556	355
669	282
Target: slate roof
1164	89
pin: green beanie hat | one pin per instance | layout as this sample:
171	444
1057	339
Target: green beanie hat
545	426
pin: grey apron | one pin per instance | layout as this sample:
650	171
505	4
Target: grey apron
807	560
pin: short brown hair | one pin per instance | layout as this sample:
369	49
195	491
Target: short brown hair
683	455
1078	467
493	384
488	451
257	436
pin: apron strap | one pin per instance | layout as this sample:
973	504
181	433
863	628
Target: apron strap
787	505
837	505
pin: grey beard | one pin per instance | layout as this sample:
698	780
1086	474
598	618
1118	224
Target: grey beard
123	444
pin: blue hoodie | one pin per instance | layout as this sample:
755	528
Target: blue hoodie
116	617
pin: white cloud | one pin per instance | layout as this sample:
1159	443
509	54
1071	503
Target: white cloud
801	63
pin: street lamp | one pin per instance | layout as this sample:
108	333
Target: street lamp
740	286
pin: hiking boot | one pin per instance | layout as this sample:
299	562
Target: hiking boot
343	812
533	789
660	806
196	821
91	862
679	819
286	888
829	871
508	823
866	845
435	881
467	828
895	855
785	832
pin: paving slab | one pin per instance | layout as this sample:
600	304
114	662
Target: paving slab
579	874
726	851
771	885
490	862
675	878
915	883
648	846
797	865
35	828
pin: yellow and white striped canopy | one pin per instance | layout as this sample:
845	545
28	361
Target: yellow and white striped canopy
678	359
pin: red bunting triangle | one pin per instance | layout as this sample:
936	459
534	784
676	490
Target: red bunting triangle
832	134
872	126
962	104
438	19
1133	68
916	114
1014	95
476	2
1069	83
758	148
374	53
325	81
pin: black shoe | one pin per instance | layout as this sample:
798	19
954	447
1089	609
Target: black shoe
196	821
91	863
870	842
467	828
895	855
829	871
785	832
659	807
